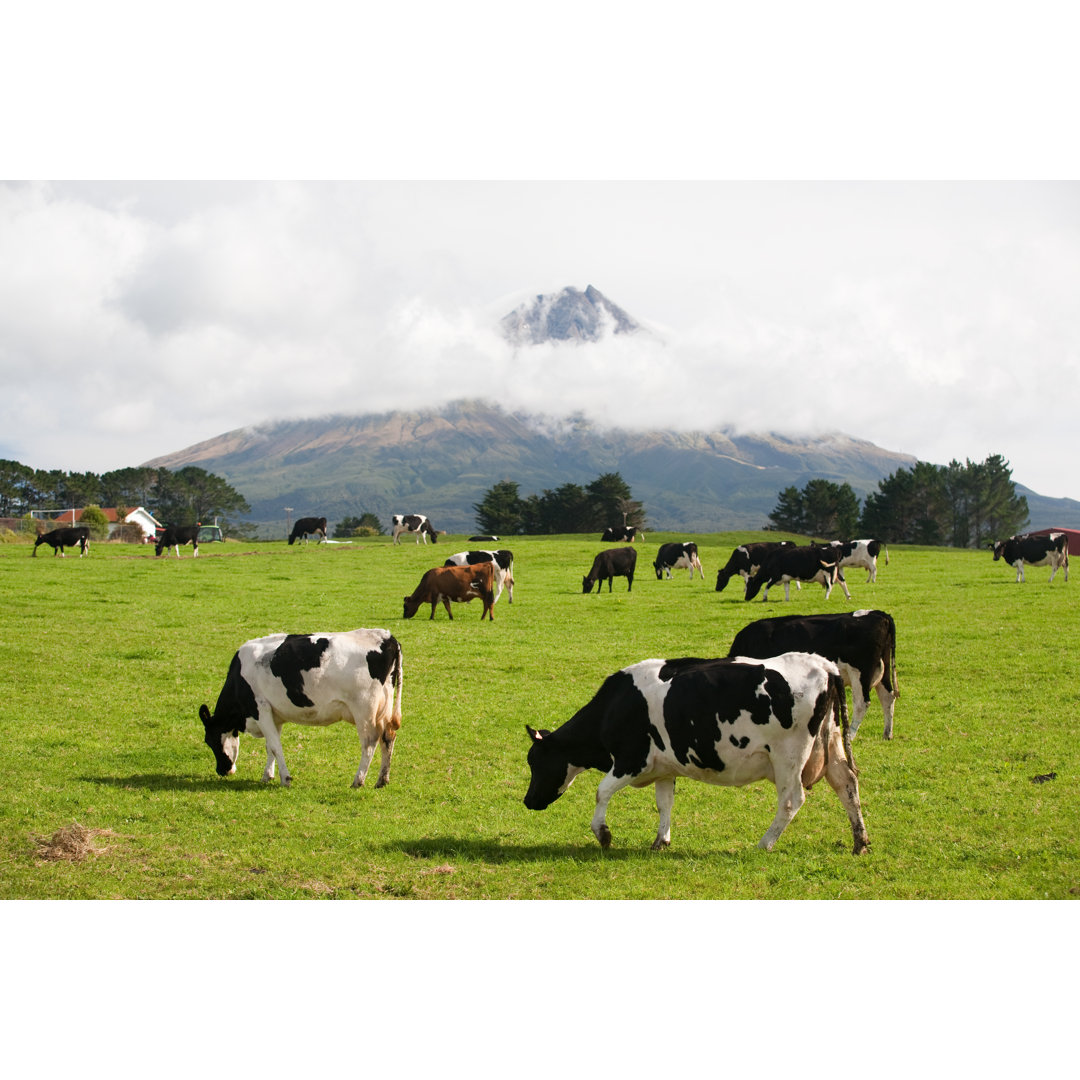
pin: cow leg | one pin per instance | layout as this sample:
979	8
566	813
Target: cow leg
860	702
367	752
845	783
843	585
606	788
789	797
387	744
787	590
888	704
1019	570
271	732
665	798
446	604
195	545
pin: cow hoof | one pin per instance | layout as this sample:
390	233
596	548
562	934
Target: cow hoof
382	782
604	836
659	845
861	847
359	783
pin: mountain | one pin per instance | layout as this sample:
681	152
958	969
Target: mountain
440	462
568	315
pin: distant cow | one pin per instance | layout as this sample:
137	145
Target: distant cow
173	536
608	565
309	526
746	559
729	722
454	583
59	539
414	523
677	556
797	564
1046	550
355	676
862	644
620	532
862	553
503	565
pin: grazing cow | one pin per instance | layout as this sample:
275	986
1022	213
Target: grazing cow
728	722
624	533
503	565
354	675
677	557
608	565
797	564
173	536
1046	550
746	559
458	583
862	644
862	553
414	523
59	539
309	526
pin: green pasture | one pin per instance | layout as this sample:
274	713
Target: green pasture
105	660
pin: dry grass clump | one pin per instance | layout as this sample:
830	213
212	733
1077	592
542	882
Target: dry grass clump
73	843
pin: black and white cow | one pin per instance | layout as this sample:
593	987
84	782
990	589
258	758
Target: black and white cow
862	553
677	556
746	559
624	533
1046	550
729	722
608	565
414	523
797	564
58	539
862	644
353	675
172	536
308	526
503	559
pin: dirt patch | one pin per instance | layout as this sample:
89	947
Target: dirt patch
72	843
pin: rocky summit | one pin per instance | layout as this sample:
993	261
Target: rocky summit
568	315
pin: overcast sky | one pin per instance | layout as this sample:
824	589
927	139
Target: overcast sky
936	317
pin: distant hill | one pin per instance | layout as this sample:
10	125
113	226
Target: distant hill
568	315
440	462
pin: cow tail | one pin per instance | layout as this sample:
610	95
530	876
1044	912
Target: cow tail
892	658
398	680
836	684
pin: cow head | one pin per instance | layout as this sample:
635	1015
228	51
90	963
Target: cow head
551	770
753	584
412	606
999	548
224	744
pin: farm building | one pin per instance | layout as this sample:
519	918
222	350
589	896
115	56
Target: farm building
1072	534
139	516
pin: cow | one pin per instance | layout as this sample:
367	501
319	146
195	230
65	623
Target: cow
862	553
172	536
351	675
414	523
862	644
608	565
58	539
624	533
1046	550
746	559
729	722
458	583
503	560
797	564
309	526
677	556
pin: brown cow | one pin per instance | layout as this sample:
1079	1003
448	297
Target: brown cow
458	583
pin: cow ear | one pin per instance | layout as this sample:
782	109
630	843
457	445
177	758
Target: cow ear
533	733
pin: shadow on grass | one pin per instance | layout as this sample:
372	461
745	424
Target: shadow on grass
497	851
172	782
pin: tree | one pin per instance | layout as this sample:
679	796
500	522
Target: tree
192	495
500	510
94	517
822	508
367	524
789	514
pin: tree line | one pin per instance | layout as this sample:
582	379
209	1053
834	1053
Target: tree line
181	497
954	505
571	508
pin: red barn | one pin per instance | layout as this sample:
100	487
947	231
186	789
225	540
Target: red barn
1072	534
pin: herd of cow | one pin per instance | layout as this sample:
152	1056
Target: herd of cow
775	708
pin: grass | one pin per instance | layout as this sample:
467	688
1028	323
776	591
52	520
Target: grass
106	660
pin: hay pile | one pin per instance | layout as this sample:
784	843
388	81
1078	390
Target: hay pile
73	843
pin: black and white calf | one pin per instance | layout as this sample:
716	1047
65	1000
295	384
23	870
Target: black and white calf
862	553
354	675
729	722
746	559
862	644
616	533
414	523
797	564
677	556
59	539
1049	549
503	559
608	565
174	535
308	526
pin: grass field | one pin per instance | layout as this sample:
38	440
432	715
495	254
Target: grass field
106	660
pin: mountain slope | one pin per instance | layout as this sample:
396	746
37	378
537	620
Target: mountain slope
441	461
